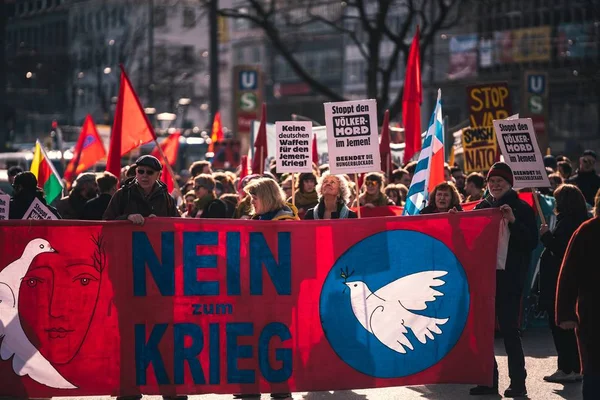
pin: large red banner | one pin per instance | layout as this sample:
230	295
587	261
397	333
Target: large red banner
181	306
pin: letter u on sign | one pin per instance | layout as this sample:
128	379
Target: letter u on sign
536	84
248	80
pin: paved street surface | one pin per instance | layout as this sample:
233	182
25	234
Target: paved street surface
540	361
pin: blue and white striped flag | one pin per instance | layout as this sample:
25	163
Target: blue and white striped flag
430	167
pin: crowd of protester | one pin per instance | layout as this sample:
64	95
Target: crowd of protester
138	194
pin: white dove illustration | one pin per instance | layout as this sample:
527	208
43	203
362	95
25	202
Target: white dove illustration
385	313
27	359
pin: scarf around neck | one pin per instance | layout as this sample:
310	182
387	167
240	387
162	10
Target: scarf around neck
342	210
306	200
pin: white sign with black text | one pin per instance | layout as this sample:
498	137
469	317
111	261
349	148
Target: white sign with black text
4	204
519	146
293	146
37	210
352	136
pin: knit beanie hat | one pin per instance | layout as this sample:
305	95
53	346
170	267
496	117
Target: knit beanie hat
502	170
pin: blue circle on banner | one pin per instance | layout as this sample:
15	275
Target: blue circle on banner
371	320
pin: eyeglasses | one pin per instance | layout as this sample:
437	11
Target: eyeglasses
371	183
198	187
145	171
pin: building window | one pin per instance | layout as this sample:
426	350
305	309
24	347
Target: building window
187	55
189	17
39	4
160	17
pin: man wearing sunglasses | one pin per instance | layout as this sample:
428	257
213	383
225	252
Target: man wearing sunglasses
144	197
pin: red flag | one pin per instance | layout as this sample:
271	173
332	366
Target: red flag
384	145
88	150
170	147
244	170
411	101
217	132
315	152
260	144
131	127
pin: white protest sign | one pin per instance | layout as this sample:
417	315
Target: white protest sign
352	136
4	204
294	145
37	210
519	146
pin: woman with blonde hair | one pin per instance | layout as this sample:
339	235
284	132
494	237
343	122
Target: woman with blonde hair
334	195
444	197
373	195
268	201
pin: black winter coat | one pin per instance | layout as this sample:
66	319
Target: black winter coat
523	240
94	209
19	204
555	243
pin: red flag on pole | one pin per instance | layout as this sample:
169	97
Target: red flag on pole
384	145
315	152
131	127
411	101
170	147
217	132
260	144
88	150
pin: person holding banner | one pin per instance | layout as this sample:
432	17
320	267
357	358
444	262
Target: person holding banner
571	212
144	197
510	281
374	196
333	201
25	191
268	201
577	298
445	198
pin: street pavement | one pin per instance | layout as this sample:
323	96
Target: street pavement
540	361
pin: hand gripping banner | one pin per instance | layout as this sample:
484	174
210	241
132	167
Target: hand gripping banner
185	307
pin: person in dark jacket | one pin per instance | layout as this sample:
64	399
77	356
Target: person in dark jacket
443	198
587	179
333	201
577	299
25	190
144	197
571	212
84	188
94	209
207	205
511	280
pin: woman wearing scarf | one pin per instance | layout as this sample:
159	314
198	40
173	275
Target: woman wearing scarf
374	196
333	203
306	196
206	204
268	201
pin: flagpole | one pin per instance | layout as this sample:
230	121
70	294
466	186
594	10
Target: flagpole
168	166
262	160
293	190
537	205
357	195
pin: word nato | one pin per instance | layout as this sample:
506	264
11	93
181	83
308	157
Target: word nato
193	342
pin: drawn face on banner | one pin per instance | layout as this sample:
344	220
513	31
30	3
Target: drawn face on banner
58	299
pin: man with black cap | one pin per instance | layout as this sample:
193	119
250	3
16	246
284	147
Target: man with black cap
586	179
143	197
511	280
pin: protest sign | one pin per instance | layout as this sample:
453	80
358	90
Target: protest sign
352	136
294	145
177	307
37	210
521	152
486	103
4	204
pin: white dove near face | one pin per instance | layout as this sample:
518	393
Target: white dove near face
386	312
27	359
